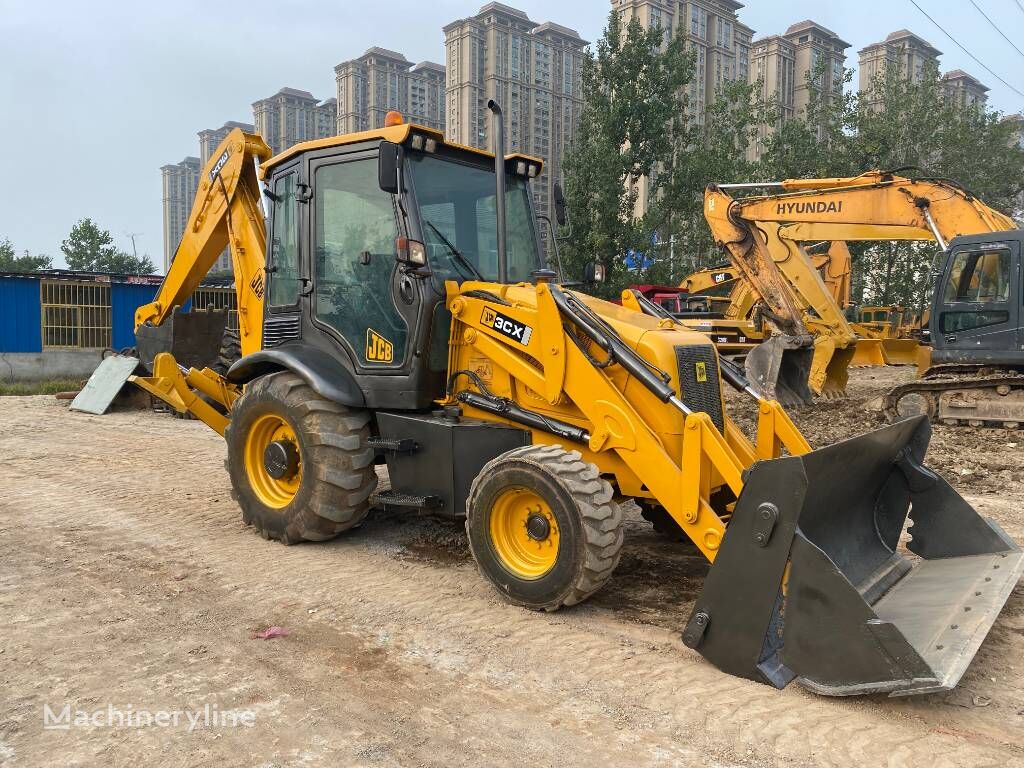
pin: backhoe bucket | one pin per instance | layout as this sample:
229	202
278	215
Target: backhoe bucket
778	369
829	368
900	351
810	582
193	338
868	353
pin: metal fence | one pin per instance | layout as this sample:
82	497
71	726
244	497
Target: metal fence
75	315
218	298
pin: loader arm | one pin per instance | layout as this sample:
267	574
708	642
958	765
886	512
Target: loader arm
226	213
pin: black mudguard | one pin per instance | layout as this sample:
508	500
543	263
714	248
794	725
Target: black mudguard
325	374
855	615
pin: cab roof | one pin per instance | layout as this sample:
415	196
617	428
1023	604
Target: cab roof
396	134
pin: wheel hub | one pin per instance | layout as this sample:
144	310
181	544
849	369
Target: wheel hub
281	459
537	527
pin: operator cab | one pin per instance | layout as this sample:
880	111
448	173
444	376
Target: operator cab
978	300
364	230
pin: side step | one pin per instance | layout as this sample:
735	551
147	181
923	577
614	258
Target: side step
383	445
396	499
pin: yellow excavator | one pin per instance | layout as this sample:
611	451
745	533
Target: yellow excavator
395	310
765	235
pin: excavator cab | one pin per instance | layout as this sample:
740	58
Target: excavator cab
978	299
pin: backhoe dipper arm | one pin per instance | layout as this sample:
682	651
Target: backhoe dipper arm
226	213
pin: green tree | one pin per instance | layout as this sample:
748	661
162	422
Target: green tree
715	150
631	89
122	263
11	262
91	249
88	246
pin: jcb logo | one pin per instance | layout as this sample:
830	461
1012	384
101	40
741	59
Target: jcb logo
702	372
378	349
506	326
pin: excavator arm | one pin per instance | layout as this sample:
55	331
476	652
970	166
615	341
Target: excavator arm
226	214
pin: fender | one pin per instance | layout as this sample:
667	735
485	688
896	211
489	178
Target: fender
328	378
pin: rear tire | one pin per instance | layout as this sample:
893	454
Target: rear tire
230	351
542	527
327	490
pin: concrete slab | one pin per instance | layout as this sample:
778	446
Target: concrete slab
104	384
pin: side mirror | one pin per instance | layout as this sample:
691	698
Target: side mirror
594	272
389	167
559	205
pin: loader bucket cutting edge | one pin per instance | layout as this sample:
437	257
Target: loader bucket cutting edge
900	351
779	368
857	614
868	353
830	369
193	338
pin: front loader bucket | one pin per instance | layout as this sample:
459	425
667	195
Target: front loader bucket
778	369
868	353
829	368
193	338
810	582
900	351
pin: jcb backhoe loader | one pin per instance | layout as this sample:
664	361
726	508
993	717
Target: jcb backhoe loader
397	311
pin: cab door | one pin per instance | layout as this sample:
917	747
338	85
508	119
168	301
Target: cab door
978	313
359	294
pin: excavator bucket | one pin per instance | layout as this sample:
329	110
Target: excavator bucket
900	351
812	582
778	369
829	368
193	338
868	353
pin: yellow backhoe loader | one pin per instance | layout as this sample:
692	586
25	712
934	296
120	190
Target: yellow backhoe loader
397	312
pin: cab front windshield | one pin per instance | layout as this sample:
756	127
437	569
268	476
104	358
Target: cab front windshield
457	205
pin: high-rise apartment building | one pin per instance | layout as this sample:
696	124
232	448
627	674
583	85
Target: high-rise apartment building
902	50
806	58
179	190
532	70
291	116
381	80
721	45
965	90
712	30
211	138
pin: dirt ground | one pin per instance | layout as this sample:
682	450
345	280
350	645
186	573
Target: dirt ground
127	580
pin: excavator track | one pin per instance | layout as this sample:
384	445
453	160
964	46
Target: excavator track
999	384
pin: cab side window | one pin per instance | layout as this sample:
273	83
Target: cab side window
284	248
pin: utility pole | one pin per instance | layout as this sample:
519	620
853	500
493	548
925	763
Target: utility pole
133	235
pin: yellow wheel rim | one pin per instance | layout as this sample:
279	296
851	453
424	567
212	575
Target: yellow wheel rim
276	492
524	533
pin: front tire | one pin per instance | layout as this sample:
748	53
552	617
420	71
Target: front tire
543	528
299	465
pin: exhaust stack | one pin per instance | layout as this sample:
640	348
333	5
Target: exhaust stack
499	181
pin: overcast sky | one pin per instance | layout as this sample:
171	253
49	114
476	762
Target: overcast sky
97	95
